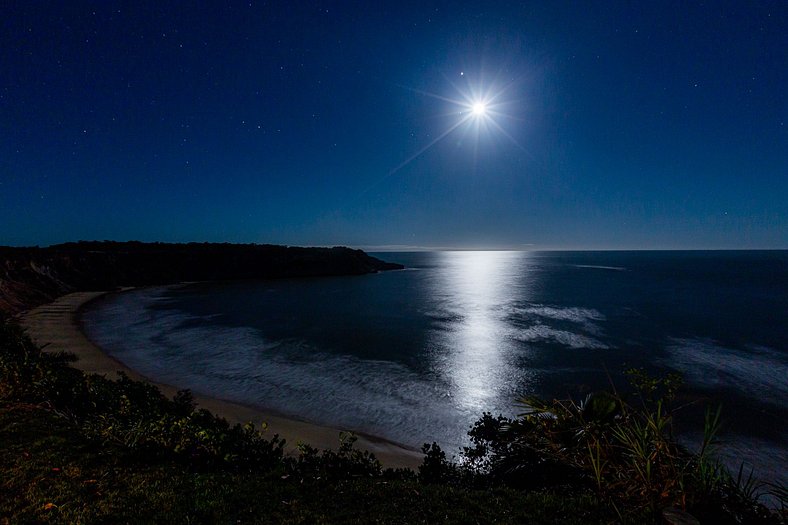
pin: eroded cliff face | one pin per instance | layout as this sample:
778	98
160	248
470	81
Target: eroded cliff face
34	276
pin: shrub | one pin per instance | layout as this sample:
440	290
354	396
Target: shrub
345	463
131	413
31	376
622	447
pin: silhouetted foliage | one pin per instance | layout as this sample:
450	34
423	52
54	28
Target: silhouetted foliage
607	458
621	447
33	276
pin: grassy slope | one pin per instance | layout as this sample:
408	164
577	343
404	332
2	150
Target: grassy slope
80	448
50	473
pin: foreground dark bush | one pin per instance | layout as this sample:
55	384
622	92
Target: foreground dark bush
621	447
130	413
607	459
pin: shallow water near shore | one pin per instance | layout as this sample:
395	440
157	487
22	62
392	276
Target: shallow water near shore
417	355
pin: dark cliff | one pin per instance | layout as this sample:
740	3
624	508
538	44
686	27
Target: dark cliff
34	276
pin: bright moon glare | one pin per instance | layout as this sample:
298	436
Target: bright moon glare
479	109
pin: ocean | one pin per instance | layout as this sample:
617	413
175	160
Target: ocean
418	355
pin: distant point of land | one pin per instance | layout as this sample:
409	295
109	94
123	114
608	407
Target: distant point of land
33	276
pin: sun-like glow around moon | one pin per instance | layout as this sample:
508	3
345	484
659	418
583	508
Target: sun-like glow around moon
478	109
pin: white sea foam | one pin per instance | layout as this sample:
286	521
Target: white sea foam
291	377
539	316
594	266
572	314
540	332
758	372
483	323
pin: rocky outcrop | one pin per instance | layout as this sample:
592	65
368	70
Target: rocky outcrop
34	276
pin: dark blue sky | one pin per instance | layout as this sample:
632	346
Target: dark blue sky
616	125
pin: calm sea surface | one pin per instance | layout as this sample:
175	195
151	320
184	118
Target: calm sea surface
417	355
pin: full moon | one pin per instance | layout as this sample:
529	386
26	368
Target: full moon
479	109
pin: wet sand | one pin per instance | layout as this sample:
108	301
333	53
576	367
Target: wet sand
57	325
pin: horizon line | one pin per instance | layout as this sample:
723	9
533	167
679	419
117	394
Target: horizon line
523	247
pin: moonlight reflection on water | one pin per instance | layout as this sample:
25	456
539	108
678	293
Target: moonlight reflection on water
479	288
417	355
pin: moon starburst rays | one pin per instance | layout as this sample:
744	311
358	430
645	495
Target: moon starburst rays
477	111
429	145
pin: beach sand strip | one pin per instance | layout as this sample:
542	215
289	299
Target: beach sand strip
57	325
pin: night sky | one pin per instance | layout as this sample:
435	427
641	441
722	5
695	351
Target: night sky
605	125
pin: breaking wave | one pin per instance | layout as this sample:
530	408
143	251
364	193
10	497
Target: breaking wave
759	372
290	377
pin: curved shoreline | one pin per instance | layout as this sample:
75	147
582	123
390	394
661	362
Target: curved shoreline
57	325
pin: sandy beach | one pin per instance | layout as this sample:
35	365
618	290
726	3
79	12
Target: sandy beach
57	325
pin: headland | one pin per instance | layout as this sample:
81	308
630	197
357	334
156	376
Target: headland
47	288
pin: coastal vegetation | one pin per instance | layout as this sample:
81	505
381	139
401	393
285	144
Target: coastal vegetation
77	447
33	276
